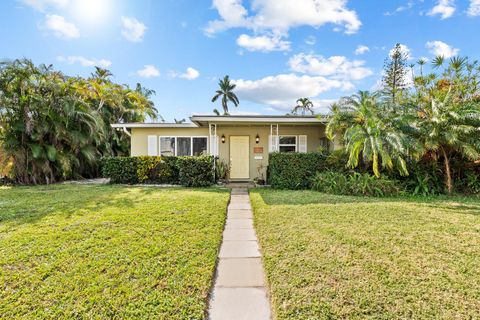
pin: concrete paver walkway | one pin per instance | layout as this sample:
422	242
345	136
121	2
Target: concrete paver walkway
239	291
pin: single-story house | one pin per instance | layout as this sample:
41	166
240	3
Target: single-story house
242	142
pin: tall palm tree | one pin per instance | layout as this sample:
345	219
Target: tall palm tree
368	136
304	105
226	93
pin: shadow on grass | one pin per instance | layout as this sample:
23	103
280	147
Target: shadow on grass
19	205
457	204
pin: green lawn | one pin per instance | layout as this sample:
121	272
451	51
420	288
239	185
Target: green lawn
338	257
108	251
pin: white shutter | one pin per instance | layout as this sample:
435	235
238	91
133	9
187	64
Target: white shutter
214	146
152	146
302	144
272	143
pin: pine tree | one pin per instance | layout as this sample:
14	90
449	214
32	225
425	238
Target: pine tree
395	72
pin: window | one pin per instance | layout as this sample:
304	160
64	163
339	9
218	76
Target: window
167	146
287	144
199	146
325	143
183	146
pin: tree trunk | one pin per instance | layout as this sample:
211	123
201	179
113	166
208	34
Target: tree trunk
448	180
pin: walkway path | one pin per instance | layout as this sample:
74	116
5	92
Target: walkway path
239	291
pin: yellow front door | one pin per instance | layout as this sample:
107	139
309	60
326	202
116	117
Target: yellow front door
239	157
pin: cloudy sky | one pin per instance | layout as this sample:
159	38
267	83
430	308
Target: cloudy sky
275	50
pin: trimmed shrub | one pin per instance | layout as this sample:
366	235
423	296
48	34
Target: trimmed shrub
157	170
357	184
120	169
195	171
294	170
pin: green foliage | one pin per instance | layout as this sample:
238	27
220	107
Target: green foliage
304	106
222	170
196	171
358	184
121	169
395	74
157	170
294	170
55	127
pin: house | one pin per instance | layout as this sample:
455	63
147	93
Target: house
243	142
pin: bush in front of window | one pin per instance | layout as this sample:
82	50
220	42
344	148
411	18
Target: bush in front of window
187	171
195	171
294	170
120	169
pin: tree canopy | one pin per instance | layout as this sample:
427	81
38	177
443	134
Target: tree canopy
54	127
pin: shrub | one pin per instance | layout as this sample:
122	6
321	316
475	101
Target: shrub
294	170
120	169
195	171
157	170
365	184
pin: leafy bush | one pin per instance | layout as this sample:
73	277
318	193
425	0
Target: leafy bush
365	184
294	170
195	171
120	169
157	170
222	170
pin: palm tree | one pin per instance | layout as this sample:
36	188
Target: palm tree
303	104
367	135
227	94
179	121
448	118
216	112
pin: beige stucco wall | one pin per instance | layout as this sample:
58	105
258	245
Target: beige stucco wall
257	166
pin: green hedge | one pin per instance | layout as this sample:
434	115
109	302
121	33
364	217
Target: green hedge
120	169
196	171
187	171
294	170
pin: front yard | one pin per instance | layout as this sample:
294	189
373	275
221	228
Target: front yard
108	251
337	257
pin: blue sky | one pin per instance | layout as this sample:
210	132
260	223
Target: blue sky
275	50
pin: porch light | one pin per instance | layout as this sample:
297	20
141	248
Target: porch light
257	139
223	138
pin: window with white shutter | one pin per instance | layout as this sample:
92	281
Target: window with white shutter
302	144
152	146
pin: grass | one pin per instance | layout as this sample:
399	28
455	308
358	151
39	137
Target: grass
339	257
101	252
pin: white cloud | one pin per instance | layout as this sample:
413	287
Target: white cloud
281	91
474	8
439	48
336	67
148	71
444	8
60	27
402	8
42	5
361	49
133	30
263	43
279	16
190	74
85	61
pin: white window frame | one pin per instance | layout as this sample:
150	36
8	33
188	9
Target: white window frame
288	145
176	144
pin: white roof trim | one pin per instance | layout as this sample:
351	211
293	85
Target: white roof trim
154	125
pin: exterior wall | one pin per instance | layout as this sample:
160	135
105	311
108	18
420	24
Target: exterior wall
139	144
314	133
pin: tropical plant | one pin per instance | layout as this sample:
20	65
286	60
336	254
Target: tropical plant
370	138
56	127
304	105
179	121
226	93
447	118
